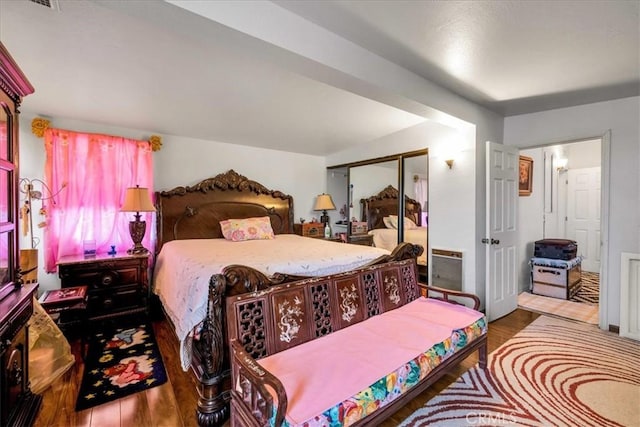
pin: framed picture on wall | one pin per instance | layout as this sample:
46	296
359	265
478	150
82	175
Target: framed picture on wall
526	176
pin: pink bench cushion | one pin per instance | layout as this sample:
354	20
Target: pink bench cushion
347	361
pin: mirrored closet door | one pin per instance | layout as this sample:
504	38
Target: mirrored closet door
368	195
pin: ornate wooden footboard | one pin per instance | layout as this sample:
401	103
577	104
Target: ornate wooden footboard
211	353
278	319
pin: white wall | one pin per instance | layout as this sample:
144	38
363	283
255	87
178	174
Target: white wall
530	217
583	154
621	117
186	161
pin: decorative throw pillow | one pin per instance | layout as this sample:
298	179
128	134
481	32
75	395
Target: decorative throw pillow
238	230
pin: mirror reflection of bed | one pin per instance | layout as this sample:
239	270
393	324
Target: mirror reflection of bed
380	212
407	173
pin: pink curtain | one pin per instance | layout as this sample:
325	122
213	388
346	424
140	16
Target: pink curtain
95	171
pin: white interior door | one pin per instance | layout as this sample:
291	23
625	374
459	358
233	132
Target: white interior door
583	214
501	236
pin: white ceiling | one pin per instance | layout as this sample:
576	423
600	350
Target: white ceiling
513	57
153	66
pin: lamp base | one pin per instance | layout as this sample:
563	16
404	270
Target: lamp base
137	229
138	251
324	218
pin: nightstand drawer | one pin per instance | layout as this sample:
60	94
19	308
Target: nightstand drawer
121	298
102	274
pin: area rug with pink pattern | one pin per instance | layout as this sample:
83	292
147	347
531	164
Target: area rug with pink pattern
555	372
120	362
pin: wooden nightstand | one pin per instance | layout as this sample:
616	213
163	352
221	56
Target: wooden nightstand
117	285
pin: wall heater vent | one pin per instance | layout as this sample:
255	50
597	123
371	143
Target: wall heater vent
446	269
51	4
630	296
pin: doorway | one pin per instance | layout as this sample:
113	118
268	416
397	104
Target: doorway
567	206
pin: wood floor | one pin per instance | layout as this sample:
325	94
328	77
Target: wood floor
173	404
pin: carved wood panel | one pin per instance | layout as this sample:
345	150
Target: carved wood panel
272	319
409	282
321	309
349	300
291	320
251	327
371	292
392	293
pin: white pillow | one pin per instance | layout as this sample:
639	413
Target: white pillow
393	220
409	224
390	223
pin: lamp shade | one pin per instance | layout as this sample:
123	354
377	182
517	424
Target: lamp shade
137	199
324	203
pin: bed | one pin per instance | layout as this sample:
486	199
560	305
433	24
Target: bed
196	268
380	213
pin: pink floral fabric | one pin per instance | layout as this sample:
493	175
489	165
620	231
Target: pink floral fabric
238	230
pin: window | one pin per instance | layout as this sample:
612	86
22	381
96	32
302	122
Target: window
93	172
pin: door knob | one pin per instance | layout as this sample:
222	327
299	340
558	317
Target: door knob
490	241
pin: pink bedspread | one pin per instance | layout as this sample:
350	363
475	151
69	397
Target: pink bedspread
351	359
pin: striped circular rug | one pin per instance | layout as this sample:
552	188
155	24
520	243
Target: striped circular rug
553	373
589	292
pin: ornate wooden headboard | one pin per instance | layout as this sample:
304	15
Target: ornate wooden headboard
195	212
385	203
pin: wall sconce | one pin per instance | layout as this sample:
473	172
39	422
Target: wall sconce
449	163
562	164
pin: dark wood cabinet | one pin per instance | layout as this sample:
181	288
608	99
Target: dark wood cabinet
18	405
117	285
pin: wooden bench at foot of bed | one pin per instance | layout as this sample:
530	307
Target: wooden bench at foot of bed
352	347
210	356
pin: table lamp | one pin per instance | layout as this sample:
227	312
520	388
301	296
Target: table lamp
324	203
137	200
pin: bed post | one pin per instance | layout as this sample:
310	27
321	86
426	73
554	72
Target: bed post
209	364
210	352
